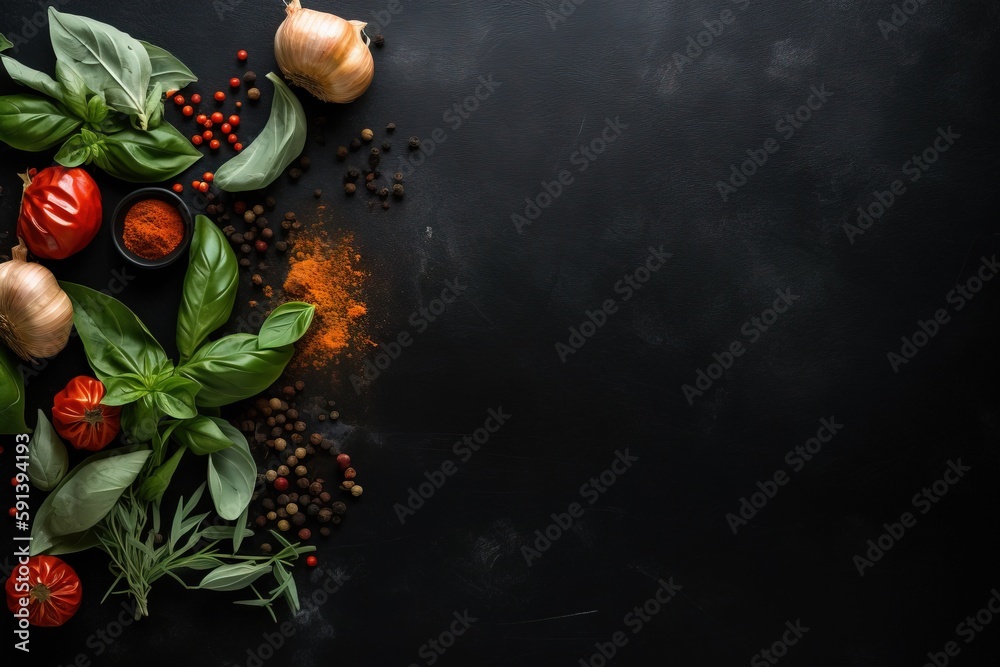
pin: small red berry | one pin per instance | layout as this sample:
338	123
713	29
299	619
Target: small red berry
232	138
280	483
261	246
207	124
239	105
13	481
234	83
171	93
220	96
217	117
188	111
225	128
207	135
344	461
203	186
312	561
195	99
196	140
12	511
195	184
179	100
208	176
214	144
239	207
237	147
241	54
234	120
178	188
201	118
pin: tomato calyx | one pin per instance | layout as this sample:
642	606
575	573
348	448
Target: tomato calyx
94	416
40	592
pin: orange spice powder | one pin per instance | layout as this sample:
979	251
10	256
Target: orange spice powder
152	229
322	272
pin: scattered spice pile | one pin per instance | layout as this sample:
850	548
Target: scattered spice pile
153	229
372	173
323	273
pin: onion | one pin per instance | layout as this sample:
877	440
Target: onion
36	315
323	53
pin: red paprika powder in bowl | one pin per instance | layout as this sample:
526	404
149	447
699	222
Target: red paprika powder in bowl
152	227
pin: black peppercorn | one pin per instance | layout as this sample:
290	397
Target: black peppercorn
249	235
383	192
371	186
386	146
304	162
270	202
350	188
325	515
317	193
303	482
385	206
341	153
245	249
414	142
261	223
299	385
338	507
290	215
237	239
286	225
355	144
261	521
267	504
267	233
298	519
379	40
281	246
391	127
249	78
312	510
324	531
370	176
397	190
374	152
282	499
245	263
295	173
398	177
353	174
228	230
334	415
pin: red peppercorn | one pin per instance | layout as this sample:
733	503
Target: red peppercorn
234	120
225	128
188	111
179	100
214	144
13	481
260	245
196	99
220	96
203	186
232	138
12	511
234	82
344	461
178	188
217	117
239	105
312	561
208	176
196	140
242	54
280	483
207	135
201	118
239	207
237	147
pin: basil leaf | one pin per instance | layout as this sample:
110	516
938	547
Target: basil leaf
233	576
166	69
97	110
5	43
32	123
232	474
234	368
209	287
153	487
202	436
73	88
74	152
174	396
11	396
110	61
48	459
74	542
140	419
93	491
286	324
146	157
32	78
124	389
281	141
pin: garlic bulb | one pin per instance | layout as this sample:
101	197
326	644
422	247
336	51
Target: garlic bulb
36	315
323	53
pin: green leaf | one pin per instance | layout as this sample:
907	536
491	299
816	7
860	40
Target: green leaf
115	340
75	152
240	529
97	110
11	396
5	43
201	435
124	389
140	419
154	109
209	287
68	544
286	324
153	487
281	141
286	584
174	396
232	474
234	368
32	123
74	90
233	576
166	69
48	459
110	61
93	491
32	78
146	157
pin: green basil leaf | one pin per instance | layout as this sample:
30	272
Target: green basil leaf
97	110
115	340
32	123
32	78
154	109
5	43
74	152
74	89
124	389
286	324
240	529
202	436
233	576
93	491
146	157
11	396
110	61
174	396
166	69
115	122
209	287
141	419
74	542
281	141
234	368
232	474
153	487
48	459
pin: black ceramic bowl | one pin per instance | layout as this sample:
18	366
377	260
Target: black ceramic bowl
118	226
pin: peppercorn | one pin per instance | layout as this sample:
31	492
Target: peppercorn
304	499
366	134
248	425
303	483
267	233
304	535
271	516
386	146
245	262
391	127
288	426
283	499
237	239
315	439
398	177
347	485
281	246
317	193
369	177
261	222
301	471
249	235
300	385
296	439
371	186
276	431
334	415
245	248
350	473
344	460
341	153
291	508
283	525
350	188
338	507
266	548
292	461
316	488
312	509
270	475
385	206
414	142
325	515
325	497
256	279
356	490
282	513
383	192
274	404
300	452
304	162
355	144
300	426
283	472
379	40
397	190
253	94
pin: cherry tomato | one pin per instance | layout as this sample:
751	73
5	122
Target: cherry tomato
242	54
196	140
226	128
234	83
52	591
195	99
207	135
237	147
217	117
201	118
208	176
188	111
179	100
208	123
195	184
203	186
214	144
234	120
312	561
60	211
178	188
232	138
171	93
80	418
220	96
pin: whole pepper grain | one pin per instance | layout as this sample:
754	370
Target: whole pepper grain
325	515
350	188
338	507
249	78
283	525
324	531
356	490
341	153
391	127
305	534
300	452
253	94
367	134
298	519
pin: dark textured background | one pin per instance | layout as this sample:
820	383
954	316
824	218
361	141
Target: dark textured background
654	185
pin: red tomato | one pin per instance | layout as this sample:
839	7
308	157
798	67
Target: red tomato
79	416
48	586
60	211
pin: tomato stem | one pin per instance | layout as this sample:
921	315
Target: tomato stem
93	416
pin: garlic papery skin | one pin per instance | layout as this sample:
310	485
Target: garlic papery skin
323	53
36	315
